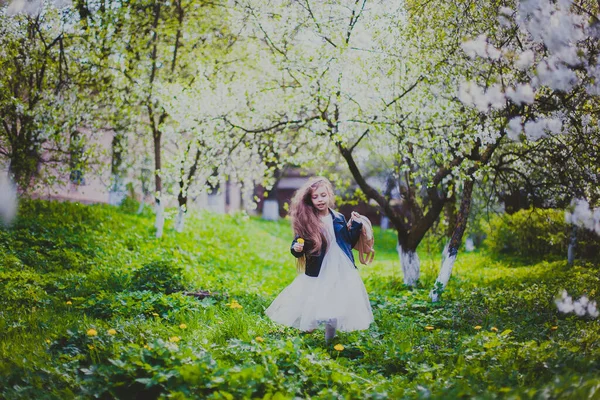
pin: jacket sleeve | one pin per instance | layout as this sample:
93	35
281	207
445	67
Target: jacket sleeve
294	252
355	230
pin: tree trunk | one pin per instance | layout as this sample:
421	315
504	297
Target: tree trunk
410	263
180	221
24	162
572	244
450	214
184	186
271	205
451	250
159	222
182	200
8	200
271	210
160	208
117	188
141	207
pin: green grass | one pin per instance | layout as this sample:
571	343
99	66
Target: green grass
67	268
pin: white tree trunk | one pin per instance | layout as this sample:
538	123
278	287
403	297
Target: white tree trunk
271	210
159	223
385	223
411	266
8	200
469	245
180	221
216	203
572	243
141	207
444	275
118	192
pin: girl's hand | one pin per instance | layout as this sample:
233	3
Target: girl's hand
354	216
298	247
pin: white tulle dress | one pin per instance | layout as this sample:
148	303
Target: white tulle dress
338	293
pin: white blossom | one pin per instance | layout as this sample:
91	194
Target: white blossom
480	48
534	130
525	60
514	128
581	307
557	77
521	94
583	215
472	94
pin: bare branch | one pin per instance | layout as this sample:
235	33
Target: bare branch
407	91
354	18
351	149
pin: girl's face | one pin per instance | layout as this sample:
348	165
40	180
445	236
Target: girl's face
320	198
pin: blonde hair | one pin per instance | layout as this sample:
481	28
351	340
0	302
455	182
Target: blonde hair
306	222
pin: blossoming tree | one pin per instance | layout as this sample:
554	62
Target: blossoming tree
368	82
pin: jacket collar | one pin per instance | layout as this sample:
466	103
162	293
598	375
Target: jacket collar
337	217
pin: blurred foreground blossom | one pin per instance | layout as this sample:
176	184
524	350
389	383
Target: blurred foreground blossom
580	307
8	200
33	8
583	215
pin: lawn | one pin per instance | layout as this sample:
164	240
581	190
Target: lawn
93	306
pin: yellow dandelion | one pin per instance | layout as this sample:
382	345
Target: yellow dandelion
183	326
478	327
91	346
494	329
554	328
338	347
155	314
259	339
92	332
174	339
48	341
146	346
429	328
112	332
69	302
300	240
234	304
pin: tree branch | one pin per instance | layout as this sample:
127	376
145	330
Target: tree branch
407	91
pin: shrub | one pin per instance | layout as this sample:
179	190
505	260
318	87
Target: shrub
538	234
158	276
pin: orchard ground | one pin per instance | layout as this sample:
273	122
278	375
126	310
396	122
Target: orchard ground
93	305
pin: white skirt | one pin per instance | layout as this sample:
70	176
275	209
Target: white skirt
337	293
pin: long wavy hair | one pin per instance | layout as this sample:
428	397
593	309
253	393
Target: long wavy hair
306	222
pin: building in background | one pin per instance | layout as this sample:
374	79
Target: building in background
275	204
98	184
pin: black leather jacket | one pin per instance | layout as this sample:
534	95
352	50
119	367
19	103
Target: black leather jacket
345	238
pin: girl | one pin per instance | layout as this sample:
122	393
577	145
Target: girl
330	291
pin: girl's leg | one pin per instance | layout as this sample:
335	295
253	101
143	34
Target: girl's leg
330	328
